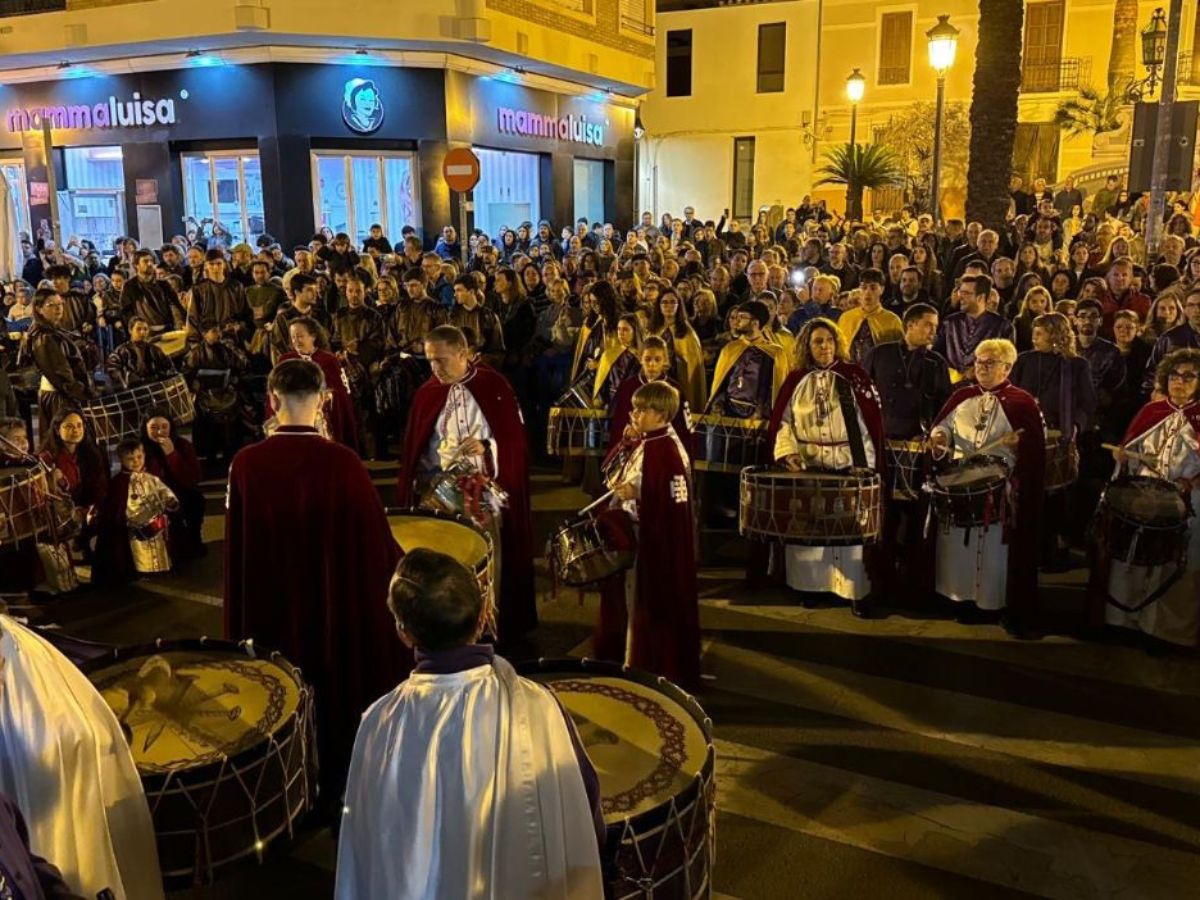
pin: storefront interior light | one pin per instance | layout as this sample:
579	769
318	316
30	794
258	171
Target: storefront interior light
200	59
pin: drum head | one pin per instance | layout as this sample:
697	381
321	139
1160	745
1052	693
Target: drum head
451	536
186	708
646	746
1147	500
972	473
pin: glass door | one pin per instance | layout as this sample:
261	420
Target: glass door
92	205
589	190
353	191
14	174
224	188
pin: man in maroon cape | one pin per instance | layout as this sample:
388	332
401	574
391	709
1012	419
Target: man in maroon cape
308	559
656	625
469	413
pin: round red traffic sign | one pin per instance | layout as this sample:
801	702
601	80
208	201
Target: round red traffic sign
461	169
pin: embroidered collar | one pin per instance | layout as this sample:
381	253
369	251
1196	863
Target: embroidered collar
295	429
656	433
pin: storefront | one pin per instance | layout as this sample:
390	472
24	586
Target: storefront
285	149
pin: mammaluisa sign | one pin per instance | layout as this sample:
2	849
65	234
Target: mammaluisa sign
134	113
567	128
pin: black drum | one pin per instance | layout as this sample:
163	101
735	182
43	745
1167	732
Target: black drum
1144	521
969	493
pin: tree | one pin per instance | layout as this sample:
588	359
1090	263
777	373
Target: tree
860	167
909	134
1092	112
997	82
1122	57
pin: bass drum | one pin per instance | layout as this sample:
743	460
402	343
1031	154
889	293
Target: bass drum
224	739
652	746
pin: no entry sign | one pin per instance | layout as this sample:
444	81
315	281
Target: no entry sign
461	169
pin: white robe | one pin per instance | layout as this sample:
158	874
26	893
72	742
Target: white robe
149	498
466	786
460	419
972	563
1175	616
813	419
64	760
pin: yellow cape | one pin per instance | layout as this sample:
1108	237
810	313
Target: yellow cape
733	351
689	369
884	324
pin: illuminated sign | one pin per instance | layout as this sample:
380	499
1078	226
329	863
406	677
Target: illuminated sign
576	129
134	113
362	107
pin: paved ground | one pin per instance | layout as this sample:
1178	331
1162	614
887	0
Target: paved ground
912	752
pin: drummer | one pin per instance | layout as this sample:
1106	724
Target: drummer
812	430
993	567
137	361
655	362
66	382
147	296
618	362
1163	441
750	370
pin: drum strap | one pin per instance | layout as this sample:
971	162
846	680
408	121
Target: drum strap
845	395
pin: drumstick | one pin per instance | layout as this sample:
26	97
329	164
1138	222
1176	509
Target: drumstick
991	445
1145	458
587	509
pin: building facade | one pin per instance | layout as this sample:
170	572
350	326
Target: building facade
164	120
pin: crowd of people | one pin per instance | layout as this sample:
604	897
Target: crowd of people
987	384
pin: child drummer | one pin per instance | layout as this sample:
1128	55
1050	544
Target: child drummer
133	520
655	362
649	616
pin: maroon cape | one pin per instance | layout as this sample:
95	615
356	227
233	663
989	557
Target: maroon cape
113	563
1027	479
181	472
666	614
622	405
342	420
308	559
517	601
1153	413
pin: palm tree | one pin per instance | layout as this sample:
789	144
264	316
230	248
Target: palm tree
997	82
1092	112
1122	58
860	167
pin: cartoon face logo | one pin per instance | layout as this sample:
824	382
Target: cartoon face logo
362	106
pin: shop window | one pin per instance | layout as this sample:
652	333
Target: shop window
509	190
589	190
354	191
14	177
772	41
679	63
92	205
222	190
743	178
895	47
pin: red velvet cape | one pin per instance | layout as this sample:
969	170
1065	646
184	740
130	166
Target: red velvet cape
1027	479
113	563
516	599
622	406
308	559
342	420
181	472
1154	412
666	614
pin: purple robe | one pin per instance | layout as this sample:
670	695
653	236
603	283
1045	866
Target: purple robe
960	335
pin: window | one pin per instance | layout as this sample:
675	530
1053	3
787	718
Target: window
224	188
1041	58
589	190
743	178
354	191
771	43
895	47
1035	151
509	190
679	63
14	175
93	205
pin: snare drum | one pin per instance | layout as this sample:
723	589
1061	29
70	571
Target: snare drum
906	463
1144	521
969	493
810	509
25	509
652	747
224	740
725	444
120	415
590	548
455	535
1062	462
577	432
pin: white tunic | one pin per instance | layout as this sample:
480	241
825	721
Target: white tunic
64	760
1175	616
814	427
972	563
467	786
149	498
460	419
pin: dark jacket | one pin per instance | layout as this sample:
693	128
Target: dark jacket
33	877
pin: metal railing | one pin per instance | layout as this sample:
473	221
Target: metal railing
1069	74
28	7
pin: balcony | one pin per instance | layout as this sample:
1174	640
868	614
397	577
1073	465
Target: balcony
1057	75
28	7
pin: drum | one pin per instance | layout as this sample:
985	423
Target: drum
120	415
652	747
577	432
1144	521
906	464
173	343
224	739
456	535
25	507
969	493
811	509
218	405
1062	462
589	548
729	445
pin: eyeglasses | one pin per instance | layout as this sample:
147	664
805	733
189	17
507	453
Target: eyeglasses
1182	376
989	363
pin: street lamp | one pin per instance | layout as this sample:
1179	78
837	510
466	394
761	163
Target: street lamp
856	84
639	132
943	45
1154	48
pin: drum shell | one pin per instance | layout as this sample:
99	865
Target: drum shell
581	554
975	505
907	464
483	569
1135	540
728	445
25	504
202	816
1062	464
574	432
810	509
664	853
120	415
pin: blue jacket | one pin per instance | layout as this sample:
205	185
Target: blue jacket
33	877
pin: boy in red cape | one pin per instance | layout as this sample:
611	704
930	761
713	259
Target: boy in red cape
309	556
655	360
469	413
656	625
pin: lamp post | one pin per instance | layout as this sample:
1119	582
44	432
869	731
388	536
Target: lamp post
856	84
639	132
943	45
1160	50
